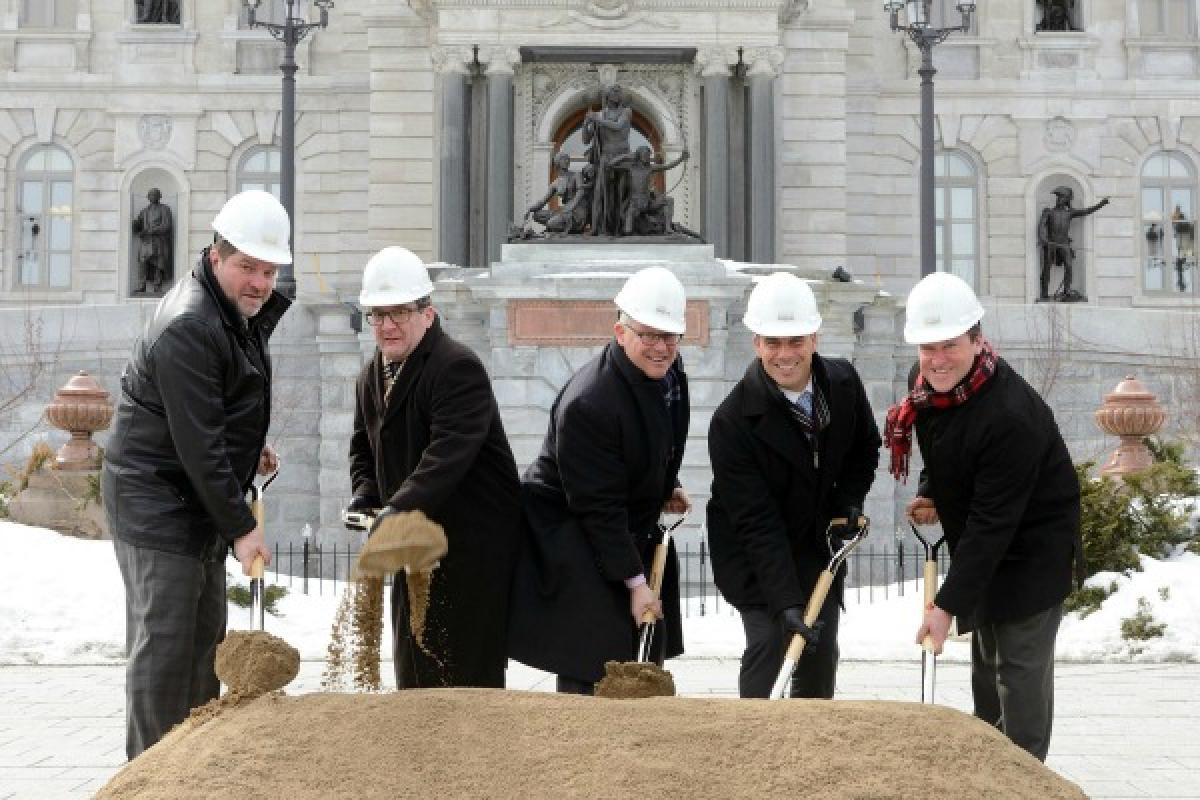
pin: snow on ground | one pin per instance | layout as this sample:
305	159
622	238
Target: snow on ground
62	602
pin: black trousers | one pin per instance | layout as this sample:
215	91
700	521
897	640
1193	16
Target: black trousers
1012	677
766	643
175	612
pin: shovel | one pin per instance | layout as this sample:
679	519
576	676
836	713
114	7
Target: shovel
657	567
257	606
817	599
928	657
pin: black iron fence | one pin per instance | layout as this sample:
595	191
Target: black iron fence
872	572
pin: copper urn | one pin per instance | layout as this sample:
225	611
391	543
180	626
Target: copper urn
81	407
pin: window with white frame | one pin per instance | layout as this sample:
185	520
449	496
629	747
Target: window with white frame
1168	223
259	169
1172	19
956	212
45	187
47	13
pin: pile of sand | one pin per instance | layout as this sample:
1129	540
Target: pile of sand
624	679
476	743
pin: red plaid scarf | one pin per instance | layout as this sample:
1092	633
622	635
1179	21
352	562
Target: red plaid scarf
897	433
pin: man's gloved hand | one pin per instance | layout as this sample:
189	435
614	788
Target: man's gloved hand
842	533
384	513
793	622
361	504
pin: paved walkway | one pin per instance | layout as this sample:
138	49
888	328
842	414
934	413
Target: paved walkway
1121	731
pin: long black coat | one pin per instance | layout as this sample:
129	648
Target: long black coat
592	499
771	499
439	447
999	473
191	421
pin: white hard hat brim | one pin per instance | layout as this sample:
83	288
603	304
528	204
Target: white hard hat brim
660	322
272	254
928	334
369	299
782	328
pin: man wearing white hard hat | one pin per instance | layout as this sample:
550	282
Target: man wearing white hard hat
793	446
428	437
189	436
609	466
999	479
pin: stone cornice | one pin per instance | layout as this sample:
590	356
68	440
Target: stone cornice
789	8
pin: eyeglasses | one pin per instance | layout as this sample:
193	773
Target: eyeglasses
650	339
398	316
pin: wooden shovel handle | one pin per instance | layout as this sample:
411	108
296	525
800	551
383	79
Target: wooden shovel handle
931	575
256	568
811	612
657	567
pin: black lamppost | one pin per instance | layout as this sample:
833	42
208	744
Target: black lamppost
925	36
291	31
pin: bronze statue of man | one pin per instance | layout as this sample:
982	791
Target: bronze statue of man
1054	241
644	204
154	227
564	186
607	133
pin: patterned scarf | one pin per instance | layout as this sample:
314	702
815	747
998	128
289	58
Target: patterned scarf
391	371
897	433
812	422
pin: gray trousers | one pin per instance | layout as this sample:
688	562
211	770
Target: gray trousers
175	611
1012	677
766	643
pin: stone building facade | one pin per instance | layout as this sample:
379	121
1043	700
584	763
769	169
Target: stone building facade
431	124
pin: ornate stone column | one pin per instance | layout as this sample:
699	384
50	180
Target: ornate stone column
764	67
713	64
451	64
1131	412
501	63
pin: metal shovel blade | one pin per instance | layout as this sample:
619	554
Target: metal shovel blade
928	676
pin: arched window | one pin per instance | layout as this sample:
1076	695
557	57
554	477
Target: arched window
1168	223
569	138
45	188
956	212
259	169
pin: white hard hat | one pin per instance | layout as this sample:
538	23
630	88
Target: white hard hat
941	306
256	224
782	305
654	297
394	276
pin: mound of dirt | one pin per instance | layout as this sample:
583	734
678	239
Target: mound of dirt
472	743
251	663
635	679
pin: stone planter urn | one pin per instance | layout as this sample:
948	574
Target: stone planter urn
81	407
1131	412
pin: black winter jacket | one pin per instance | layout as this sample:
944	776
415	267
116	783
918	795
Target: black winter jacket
772	496
591	502
191	421
1002	481
437	445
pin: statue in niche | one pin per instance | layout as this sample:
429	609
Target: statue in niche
606	132
1057	15
1054	241
154	228
157	12
646	211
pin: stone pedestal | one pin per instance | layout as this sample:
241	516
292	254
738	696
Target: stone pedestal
65	501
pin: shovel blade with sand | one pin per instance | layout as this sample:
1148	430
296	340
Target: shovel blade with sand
644	678
405	541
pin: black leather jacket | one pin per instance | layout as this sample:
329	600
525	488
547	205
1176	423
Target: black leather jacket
192	420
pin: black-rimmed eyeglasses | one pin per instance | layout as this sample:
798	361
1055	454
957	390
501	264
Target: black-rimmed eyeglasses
649	339
398	316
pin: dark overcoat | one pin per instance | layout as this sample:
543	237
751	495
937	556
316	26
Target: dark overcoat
191	421
1000	476
592	500
438	446
773	493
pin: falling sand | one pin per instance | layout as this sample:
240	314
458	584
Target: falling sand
473	743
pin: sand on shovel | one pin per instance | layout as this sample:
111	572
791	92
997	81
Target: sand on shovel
252	663
630	679
407	540
496	744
